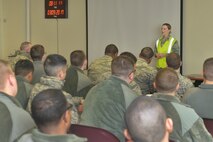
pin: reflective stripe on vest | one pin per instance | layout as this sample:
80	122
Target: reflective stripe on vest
170	44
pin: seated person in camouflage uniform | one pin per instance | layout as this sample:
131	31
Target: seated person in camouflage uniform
100	69
14	121
50	111
145	73
37	53
200	98
173	61
24	73
55	67
147	122
135	87
106	103
23	53
76	82
188	126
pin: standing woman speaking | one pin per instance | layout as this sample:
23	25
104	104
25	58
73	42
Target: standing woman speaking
165	45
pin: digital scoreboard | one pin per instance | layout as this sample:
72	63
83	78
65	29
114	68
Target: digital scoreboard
56	8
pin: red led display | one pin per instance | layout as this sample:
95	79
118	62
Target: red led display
56	8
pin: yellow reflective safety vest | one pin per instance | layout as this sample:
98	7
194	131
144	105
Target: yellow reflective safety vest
165	48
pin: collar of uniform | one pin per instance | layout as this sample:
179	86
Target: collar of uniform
206	86
76	68
52	81
166	97
11	98
41	137
113	77
19	77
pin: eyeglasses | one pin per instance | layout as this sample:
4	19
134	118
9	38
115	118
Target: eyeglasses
132	72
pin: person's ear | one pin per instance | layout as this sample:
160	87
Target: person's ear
178	86
127	136
29	76
154	84
131	76
67	119
169	125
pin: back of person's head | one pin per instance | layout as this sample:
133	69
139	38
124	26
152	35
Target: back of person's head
111	50
130	56
24	67
166	80
5	70
48	108
53	64
122	66
37	52
146	121
173	60
208	69
146	53
26	46
77	58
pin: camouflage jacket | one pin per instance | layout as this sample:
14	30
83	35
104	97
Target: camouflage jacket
144	76
184	83
19	55
100	69
48	82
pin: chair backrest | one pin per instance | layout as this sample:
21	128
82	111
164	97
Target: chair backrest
209	125
93	134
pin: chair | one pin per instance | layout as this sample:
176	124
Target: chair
209	125
93	134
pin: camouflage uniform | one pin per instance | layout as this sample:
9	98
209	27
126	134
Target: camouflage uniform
19	55
184	83
144	76
48	82
100	69
135	87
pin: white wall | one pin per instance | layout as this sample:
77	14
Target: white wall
198	34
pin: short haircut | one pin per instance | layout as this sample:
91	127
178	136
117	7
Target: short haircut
168	25
111	49
53	63
166	80
173	60
146	120
208	69
146	53
77	58
37	52
24	45
5	69
48	107
23	67
129	55
122	66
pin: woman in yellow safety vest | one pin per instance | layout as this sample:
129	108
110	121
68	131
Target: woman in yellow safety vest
165	45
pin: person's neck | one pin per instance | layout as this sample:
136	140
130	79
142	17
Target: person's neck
207	81
165	138
52	130
169	93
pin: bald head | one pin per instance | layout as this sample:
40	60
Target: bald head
173	60
146	120
166	80
208	69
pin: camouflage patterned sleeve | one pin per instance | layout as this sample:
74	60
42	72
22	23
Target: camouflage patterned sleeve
135	87
74	111
175	48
